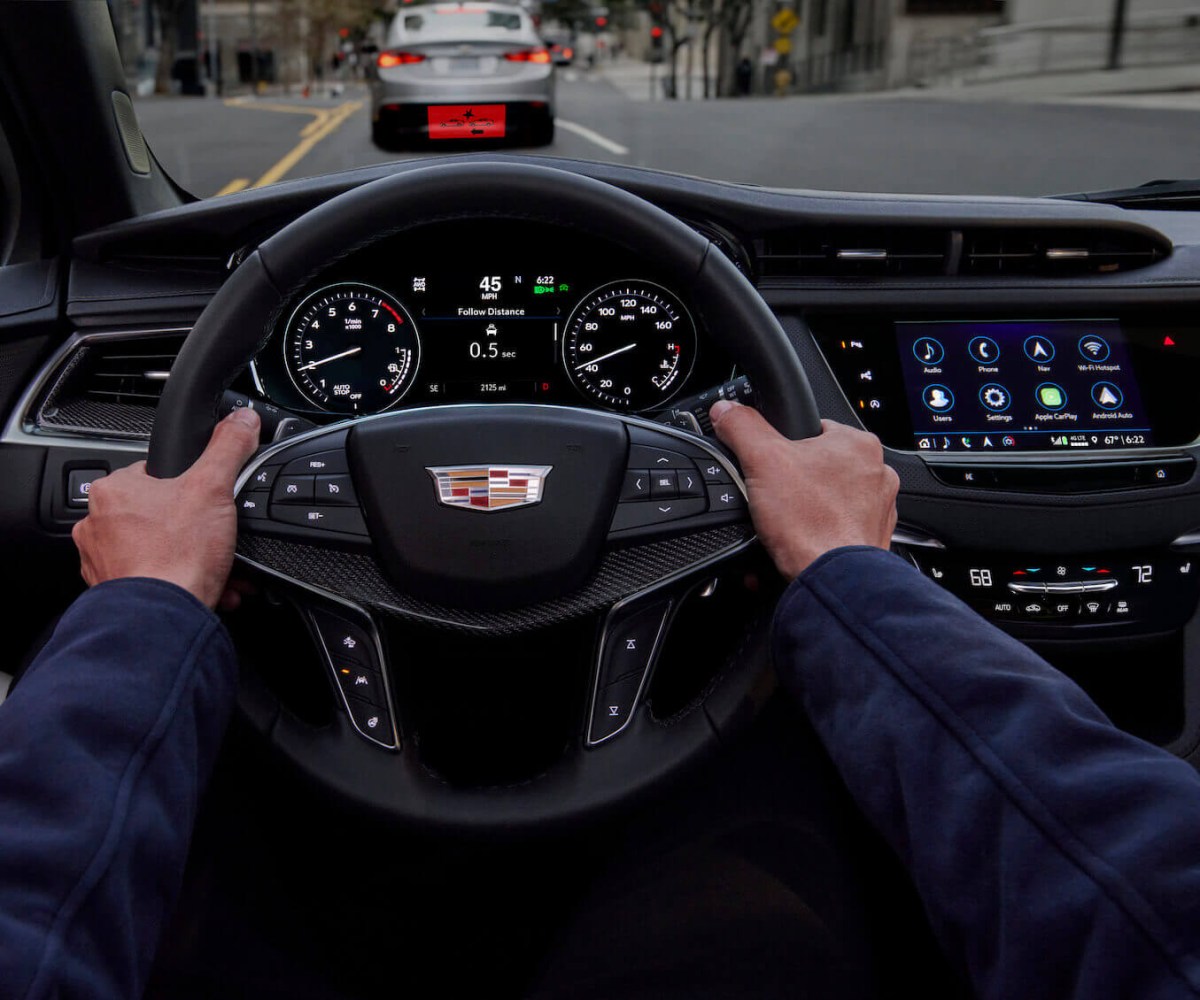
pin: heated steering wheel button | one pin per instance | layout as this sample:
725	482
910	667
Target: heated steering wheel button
664	512
359	681
637	485
293	489
371	720
323	463
335	490
664	485
613	708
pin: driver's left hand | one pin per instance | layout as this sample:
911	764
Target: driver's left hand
181	530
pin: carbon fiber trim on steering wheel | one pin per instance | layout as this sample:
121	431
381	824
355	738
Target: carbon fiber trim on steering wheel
357	577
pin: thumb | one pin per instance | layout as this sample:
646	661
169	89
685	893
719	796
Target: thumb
745	431
232	443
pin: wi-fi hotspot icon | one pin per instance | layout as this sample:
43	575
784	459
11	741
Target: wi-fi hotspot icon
1093	347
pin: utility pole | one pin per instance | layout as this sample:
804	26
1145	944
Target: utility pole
1117	36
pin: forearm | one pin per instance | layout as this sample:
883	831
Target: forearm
1056	855
105	747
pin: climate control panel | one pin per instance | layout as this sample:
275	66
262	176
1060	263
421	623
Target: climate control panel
1037	595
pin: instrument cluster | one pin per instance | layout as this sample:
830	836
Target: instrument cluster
485	311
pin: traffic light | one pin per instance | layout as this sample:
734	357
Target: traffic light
602	22
656	38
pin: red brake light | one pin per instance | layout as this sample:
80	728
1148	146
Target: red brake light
387	60
529	55
568	53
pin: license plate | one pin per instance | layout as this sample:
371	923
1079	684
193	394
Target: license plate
460	64
466	121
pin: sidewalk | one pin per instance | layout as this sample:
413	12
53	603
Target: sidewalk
1163	87
641	81
1147	86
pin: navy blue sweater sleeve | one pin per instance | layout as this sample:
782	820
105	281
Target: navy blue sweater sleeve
105	747
1056	855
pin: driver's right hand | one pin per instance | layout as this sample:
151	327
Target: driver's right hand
812	496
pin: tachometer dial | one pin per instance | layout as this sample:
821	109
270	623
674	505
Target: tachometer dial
351	349
630	345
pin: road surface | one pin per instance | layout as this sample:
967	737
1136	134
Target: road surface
901	143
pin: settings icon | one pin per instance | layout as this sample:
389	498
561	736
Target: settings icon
994	397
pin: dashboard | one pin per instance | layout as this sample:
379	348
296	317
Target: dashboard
485	312
1029	365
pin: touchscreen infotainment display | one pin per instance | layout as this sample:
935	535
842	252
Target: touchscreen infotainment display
1006	386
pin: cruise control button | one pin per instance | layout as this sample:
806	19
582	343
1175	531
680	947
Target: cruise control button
641	515
252	506
725	498
328	463
714	472
359	681
293	489
371	720
337	490
663	485
613	708
637	485
263	478
345	519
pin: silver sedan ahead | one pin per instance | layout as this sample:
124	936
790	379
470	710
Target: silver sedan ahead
464	72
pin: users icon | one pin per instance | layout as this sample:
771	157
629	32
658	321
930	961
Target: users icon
939	399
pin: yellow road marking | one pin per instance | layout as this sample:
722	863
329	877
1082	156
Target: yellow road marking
235	185
325	122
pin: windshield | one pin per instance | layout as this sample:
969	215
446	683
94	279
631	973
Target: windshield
970	97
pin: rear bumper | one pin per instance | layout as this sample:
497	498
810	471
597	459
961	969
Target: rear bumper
531	85
412	120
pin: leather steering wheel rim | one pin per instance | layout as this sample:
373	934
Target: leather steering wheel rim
241	317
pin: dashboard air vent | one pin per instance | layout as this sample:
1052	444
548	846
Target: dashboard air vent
1051	253
110	386
853	253
923	251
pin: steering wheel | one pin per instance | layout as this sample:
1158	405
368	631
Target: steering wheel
497	519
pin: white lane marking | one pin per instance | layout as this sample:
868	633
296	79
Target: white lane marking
594	137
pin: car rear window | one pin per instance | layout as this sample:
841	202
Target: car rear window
460	22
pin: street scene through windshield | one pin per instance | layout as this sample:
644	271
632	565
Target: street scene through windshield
976	97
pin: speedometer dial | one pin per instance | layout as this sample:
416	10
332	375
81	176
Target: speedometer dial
630	345
351	348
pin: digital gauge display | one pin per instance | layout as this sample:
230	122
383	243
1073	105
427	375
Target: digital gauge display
351	348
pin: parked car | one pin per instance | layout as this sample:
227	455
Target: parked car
462	72
561	45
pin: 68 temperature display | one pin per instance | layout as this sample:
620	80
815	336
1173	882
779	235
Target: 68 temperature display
630	345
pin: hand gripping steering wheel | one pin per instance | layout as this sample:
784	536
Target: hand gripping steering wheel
401	538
